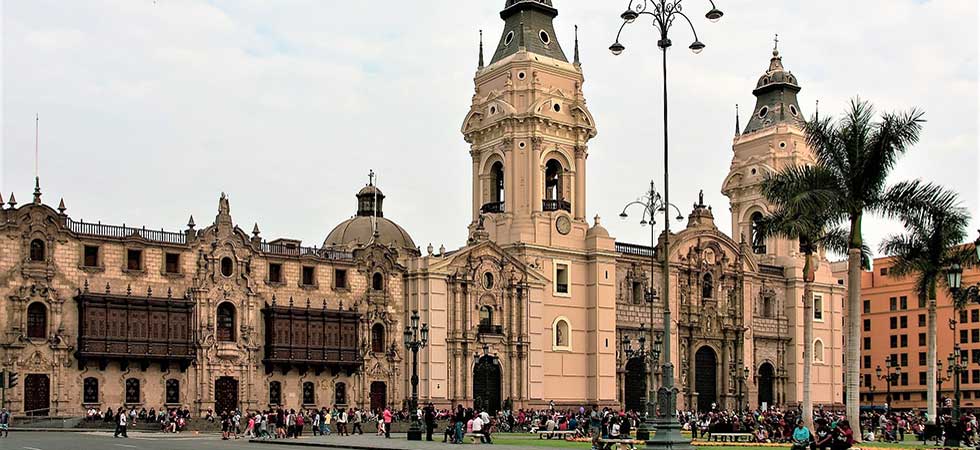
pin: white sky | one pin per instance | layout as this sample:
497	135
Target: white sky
150	109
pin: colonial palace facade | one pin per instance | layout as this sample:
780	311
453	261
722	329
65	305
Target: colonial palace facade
530	310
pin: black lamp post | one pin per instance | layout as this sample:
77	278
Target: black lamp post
415	339
652	202
891	373
957	363
651	356
872	389
741	380
663	13
940	379
957	366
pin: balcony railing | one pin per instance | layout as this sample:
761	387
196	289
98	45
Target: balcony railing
633	249
556	205
292	250
492	208
766	269
121	232
485	328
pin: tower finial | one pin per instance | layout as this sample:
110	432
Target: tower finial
370	177
37	190
816	112
775	45
521	42
480	65
577	61
737	127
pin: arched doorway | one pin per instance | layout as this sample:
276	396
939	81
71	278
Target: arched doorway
706	377
635	391
379	395
486	385
225	395
766	380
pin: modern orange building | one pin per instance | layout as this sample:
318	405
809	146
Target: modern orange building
894	326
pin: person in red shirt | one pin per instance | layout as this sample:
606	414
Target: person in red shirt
386	416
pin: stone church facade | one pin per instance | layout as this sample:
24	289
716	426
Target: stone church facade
531	310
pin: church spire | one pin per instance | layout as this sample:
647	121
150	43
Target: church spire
737	127
775	92
480	64
529	26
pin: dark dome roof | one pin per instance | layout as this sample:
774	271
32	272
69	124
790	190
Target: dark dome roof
358	231
777	74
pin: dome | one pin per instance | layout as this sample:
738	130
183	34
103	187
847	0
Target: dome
360	229
776	75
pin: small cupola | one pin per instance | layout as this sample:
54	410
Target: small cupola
370	199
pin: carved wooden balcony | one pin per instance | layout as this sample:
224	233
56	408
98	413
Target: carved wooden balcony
556	205
134	329
317	339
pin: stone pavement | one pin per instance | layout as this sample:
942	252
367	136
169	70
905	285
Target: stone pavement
372	442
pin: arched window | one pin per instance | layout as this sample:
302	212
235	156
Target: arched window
562	334
309	393
37	250
226	322
818	351
552	180
173	391
226	266
378	338
378	282
37	321
486	317
497	178
340	394
758	240
90	390
275	393
132	390
707	286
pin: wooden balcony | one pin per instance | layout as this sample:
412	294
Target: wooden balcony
131	329
317	339
556	205
492	208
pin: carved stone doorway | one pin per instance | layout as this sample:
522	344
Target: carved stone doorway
379	396
706	378
37	395
486	385
225	395
635	391
766	381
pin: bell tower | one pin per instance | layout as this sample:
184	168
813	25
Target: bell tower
772	140
528	128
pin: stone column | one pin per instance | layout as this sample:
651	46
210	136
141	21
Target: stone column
579	196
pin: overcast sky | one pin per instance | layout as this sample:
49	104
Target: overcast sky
149	110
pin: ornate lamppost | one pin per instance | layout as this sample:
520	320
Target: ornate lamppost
957	365
741	380
663	13
872	390
651	356
957	362
416	339
890	374
940	379
652	202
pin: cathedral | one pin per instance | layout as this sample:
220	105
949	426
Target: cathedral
530	311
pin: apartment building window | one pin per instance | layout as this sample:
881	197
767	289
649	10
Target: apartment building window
91	256
867	306
922	339
883	271
867	379
905	359
340	279
893	303
905	378
275	273
172	263
975	315
922	302
867	343
903	302
962	316
893	323
922	358
309	278
975	335
904	321
975	374
963	337
867	365
922	378
922	320
893	341
975	356
867	324
964	377
905	340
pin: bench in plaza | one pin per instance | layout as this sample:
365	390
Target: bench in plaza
730	437
620	444
566	434
473	438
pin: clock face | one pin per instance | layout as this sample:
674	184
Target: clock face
563	224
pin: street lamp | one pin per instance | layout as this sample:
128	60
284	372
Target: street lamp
416	339
742	380
663	13
651	202
940	379
872	390
891	373
650	358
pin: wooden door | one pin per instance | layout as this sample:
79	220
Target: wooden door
379	396
37	395
225	395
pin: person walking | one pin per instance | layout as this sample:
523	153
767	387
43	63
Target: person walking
300	421
430	421
317	420
342	422
327	418
358	418
386	417
121	425
4	423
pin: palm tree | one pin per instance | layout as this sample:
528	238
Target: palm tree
797	215
935	226
856	156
